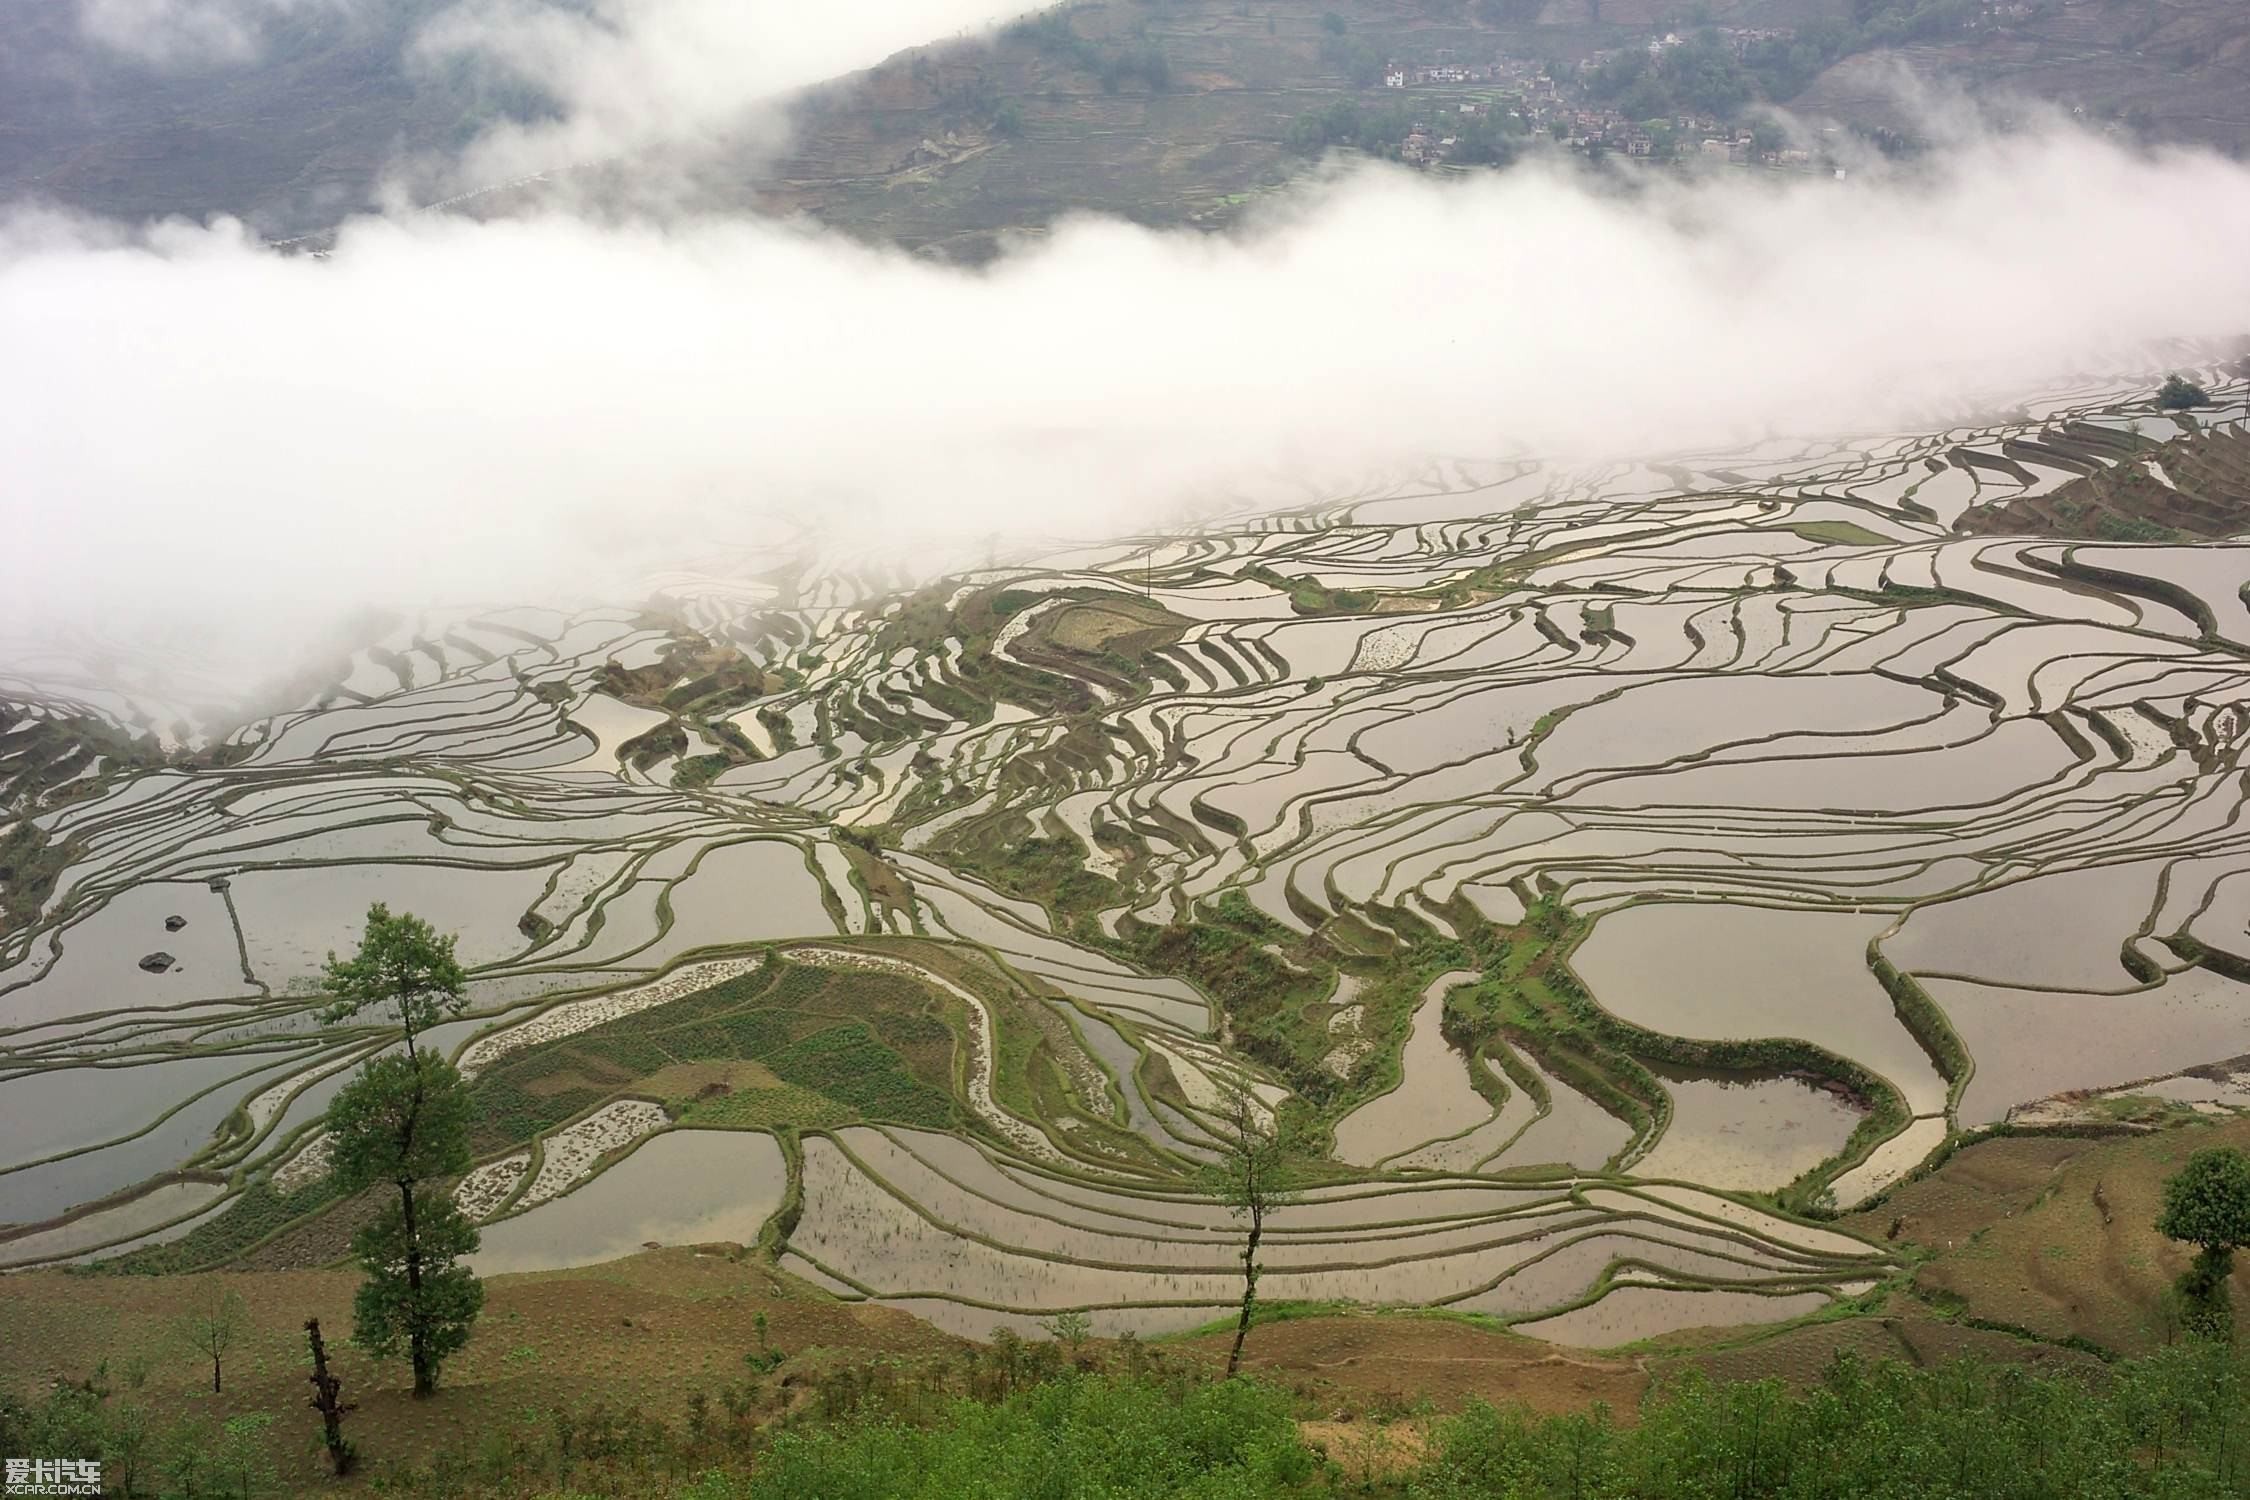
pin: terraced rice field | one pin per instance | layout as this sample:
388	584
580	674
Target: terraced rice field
1588	871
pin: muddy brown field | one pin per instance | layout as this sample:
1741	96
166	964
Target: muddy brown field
2064	1244
646	1331
2014	1234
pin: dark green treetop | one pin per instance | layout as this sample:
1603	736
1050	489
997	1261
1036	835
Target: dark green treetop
418	1299
402	961
403	1119
2207	1202
2177	394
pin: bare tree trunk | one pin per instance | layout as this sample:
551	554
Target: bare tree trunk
1249	1285
417	1335
325	1388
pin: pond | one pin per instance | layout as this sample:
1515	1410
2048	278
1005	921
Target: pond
684	1187
1735	1131
1720	971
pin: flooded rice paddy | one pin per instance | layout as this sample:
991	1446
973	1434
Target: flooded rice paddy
1815	801
1756	1134
684	1187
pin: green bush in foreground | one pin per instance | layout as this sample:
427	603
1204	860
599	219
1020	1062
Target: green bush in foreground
2207	1204
2169	1426
1878	1431
1078	1436
2175	1425
2172	1426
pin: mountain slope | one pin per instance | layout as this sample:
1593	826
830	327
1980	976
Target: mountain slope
1164	111
2176	70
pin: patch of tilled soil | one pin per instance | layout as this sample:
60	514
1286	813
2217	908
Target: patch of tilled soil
1375	1361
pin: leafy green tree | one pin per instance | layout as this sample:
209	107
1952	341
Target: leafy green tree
242	1462
69	1423
765	1358
2184	1408
190	1456
2207	1204
128	1448
1700	74
401	963
418	1299
2177	394
1252	1177
404	1122
1069	1329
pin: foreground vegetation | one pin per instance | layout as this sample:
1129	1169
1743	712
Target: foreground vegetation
698	1373
2173	1424
2170	1425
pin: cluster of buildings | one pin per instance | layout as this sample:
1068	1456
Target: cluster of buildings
1532	94
1399	75
1739	39
1523	79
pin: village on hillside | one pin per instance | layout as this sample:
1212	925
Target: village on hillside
1678	97
1537	98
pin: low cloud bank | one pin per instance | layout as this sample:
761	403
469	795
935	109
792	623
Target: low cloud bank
612	79
172	34
544	407
631	76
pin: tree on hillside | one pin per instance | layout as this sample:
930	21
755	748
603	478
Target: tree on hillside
327	1399
2207	1204
190	1451
129	1447
214	1325
242	1458
1252	1177
404	1123
1071	1330
2177	394
401	963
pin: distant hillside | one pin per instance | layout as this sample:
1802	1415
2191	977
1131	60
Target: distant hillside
2196	485
2175	70
1165	111
1157	108
1042	123
292	142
